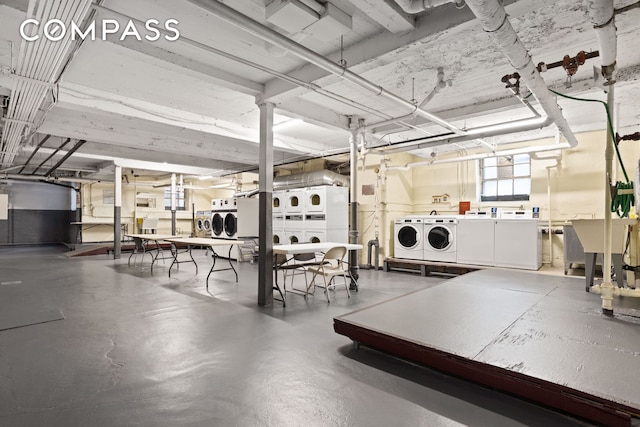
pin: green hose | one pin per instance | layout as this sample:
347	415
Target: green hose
620	203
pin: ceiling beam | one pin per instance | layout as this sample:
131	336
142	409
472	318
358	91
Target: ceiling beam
387	13
312	113
195	69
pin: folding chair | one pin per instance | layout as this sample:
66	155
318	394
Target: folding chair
332	265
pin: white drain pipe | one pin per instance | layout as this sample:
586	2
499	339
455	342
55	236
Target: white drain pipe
493	18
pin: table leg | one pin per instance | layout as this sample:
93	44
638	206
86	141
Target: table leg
214	255
229	258
277	287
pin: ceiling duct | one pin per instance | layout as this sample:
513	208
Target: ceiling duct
310	179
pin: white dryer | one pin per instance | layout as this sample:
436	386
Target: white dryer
294	202
408	241
440	239
278	203
293	236
326	235
279	237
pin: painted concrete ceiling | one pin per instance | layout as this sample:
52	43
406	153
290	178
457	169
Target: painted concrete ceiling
186	102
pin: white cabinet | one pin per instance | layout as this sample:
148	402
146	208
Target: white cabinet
518	244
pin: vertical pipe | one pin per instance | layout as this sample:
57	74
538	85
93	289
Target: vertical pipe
353	205
173	204
607	286
117	213
549	204
265	239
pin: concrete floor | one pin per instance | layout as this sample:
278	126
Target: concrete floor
143	349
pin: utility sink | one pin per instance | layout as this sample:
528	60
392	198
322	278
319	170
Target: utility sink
591	234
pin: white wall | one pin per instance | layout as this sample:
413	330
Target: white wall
577	187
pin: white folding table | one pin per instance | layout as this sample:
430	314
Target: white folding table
201	241
140	245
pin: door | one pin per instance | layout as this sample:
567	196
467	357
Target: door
439	238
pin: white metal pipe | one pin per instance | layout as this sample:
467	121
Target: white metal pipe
603	19
251	26
607	286
494	20
472	134
615	291
478	156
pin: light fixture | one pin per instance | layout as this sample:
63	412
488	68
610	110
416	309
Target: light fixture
287	124
202	178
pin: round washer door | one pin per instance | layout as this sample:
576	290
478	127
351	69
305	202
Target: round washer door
199	225
408	237
217	224
230	225
206	224
439	238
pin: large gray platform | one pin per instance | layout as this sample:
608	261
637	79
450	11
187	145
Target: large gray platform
538	336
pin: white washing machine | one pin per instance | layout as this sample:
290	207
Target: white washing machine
409	236
217	205
217	225
206	224
294	202
440	239
230	225
199	224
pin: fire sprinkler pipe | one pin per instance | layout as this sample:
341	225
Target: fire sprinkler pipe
417	6
494	20
251	26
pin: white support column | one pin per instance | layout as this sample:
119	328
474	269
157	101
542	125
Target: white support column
353	205
173	204
265	242
607	286
117	213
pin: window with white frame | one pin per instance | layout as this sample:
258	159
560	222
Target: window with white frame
180	192
506	178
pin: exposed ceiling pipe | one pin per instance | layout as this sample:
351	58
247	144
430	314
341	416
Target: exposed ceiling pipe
475	133
33	153
417	6
236	18
603	19
51	155
494	20
478	156
65	157
47	179
39	64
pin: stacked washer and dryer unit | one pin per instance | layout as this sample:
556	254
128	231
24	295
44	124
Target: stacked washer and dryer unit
224	219
426	238
313	214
